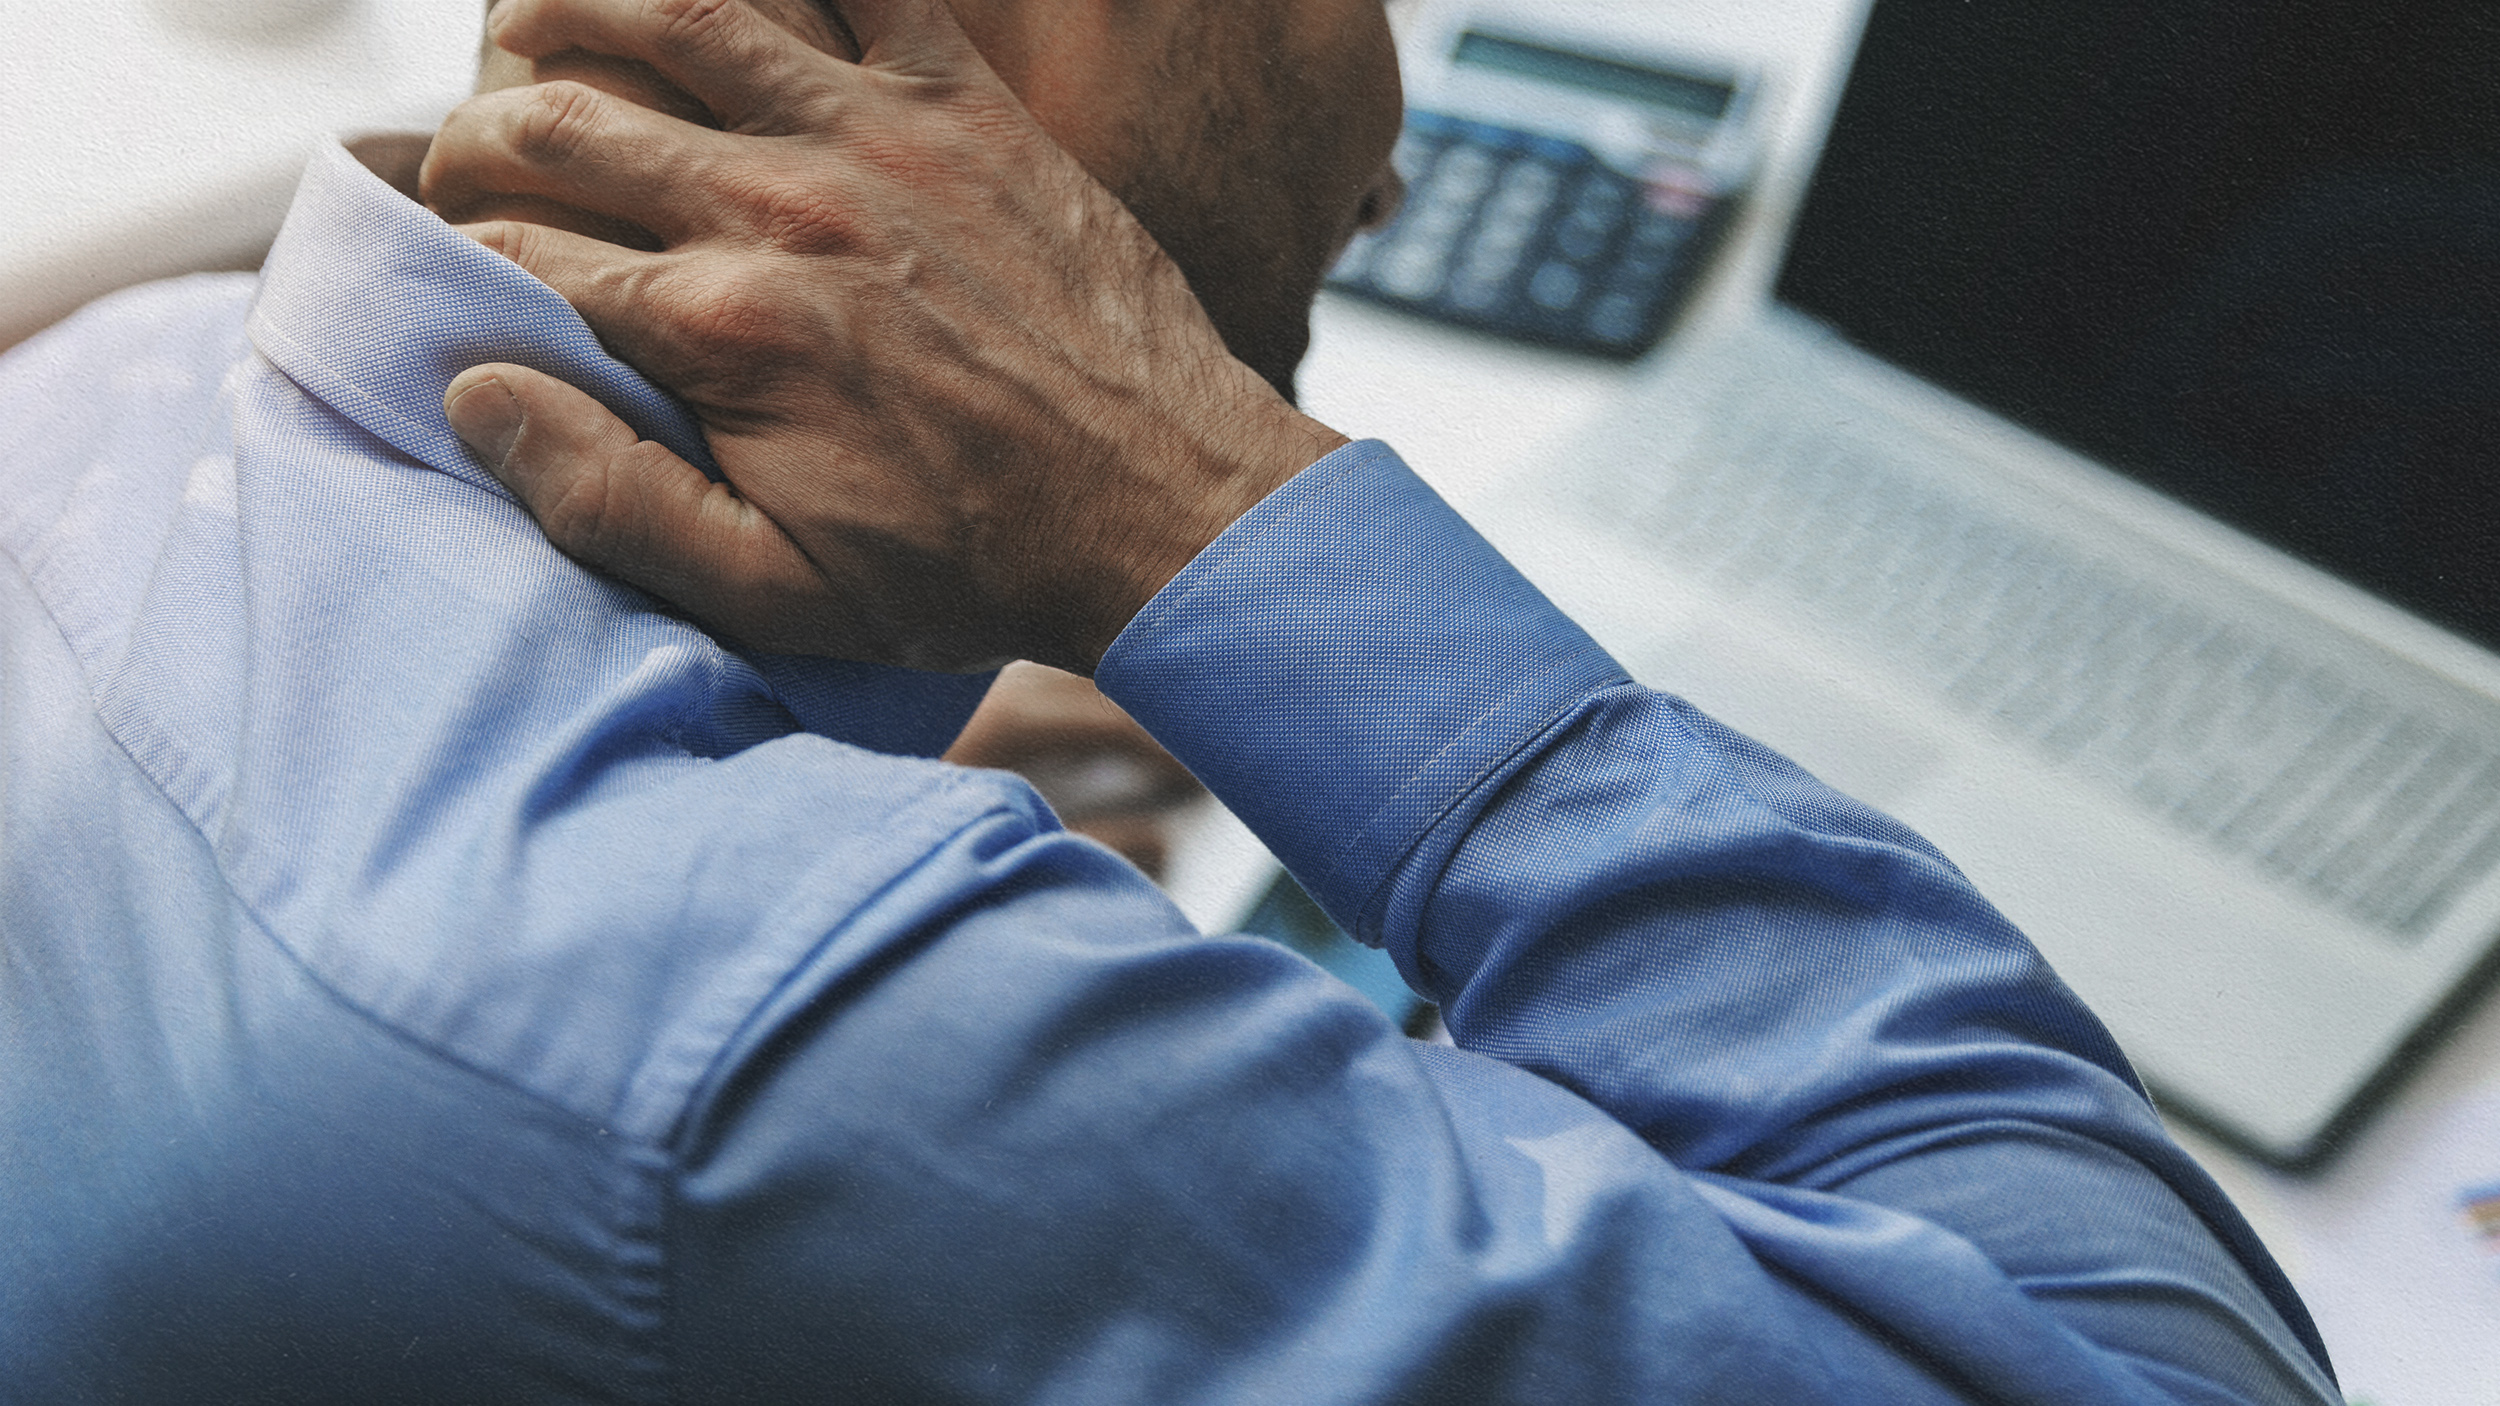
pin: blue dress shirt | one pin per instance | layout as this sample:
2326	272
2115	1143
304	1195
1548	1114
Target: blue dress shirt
431	973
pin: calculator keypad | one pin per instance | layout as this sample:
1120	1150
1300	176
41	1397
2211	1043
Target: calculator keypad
1530	237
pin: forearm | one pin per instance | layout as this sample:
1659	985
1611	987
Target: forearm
1759	977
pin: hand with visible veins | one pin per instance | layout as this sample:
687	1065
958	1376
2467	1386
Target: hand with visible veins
966	408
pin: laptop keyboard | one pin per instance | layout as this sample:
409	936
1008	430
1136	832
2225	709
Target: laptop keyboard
2273	759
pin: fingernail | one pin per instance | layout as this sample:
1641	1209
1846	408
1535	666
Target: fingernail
487	418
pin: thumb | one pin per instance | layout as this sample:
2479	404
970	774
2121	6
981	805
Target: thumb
628	507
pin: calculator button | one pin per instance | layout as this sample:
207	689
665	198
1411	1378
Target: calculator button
1491	263
1492	272
1555	286
1508	229
1615	317
1435	222
1476	290
1529	182
1412	157
1436	219
1508	212
1517	204
1462	175
1602	196
1356	258
1579	238
1410	270
1501	237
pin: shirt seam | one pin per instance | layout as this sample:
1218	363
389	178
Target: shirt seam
706	1082
1375	829
702	1093
387	1029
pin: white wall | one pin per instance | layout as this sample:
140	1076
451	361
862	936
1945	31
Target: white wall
144	137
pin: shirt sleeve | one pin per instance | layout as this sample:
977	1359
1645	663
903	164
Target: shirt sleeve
1755	1099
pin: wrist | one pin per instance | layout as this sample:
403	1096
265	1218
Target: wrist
1233	460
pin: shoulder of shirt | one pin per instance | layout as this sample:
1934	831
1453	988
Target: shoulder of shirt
600	951
173	310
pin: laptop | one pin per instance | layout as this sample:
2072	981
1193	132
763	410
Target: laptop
2110	489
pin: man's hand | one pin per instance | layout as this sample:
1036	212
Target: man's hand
967	409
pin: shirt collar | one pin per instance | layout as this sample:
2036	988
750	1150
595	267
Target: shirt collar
372	304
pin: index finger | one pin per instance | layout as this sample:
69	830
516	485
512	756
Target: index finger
754	74
627	294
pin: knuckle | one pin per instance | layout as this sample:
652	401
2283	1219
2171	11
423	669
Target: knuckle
463	153
462	124
695	22
515	25
814	108
553	123
581	512
510	238
796	214
735	311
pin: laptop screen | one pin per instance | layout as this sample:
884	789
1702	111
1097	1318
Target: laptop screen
2247	252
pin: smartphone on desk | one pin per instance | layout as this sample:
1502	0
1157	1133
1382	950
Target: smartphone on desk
1564	187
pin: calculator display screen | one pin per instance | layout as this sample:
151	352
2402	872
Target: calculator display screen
1699	97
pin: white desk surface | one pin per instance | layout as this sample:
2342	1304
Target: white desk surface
140	138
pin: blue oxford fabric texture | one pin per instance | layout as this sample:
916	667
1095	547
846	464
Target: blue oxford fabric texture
431	973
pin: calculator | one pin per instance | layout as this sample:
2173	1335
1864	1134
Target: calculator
1561	189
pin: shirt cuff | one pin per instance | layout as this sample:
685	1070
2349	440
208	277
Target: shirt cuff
1344	665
